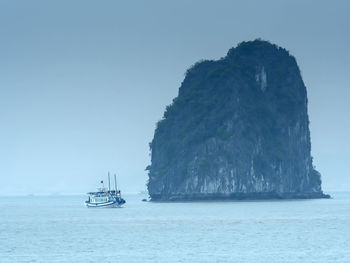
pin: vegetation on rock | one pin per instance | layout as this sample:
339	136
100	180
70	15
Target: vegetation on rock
238	128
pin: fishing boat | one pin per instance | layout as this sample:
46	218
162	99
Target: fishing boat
105	197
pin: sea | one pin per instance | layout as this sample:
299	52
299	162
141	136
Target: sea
62	229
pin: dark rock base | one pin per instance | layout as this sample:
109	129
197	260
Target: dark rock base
237	196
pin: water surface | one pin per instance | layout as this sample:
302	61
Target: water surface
61	229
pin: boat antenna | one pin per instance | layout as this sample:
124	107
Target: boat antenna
115	183
109	183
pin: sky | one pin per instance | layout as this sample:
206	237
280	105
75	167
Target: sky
83	83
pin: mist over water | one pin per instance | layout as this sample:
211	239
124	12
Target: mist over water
83	83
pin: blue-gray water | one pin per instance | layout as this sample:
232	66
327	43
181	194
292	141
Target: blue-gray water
61	229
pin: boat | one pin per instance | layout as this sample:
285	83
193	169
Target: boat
105	197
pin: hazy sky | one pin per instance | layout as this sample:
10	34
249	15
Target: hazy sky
82	83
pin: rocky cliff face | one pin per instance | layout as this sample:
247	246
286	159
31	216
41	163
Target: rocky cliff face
238	129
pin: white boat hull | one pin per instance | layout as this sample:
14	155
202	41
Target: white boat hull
110	204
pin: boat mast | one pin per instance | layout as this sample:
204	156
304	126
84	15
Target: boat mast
115	183
109	183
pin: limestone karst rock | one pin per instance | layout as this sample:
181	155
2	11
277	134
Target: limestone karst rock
238	129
